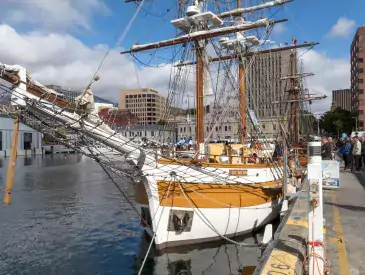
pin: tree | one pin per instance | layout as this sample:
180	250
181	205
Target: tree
338	124
338	120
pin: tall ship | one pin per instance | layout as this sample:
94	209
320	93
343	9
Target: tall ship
213	191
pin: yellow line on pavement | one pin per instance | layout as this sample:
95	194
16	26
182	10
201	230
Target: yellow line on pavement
341	245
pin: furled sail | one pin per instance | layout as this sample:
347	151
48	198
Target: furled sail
208	90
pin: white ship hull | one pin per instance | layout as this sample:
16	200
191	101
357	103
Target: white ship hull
210	224
206	223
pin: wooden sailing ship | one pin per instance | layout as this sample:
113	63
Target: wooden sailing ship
182	201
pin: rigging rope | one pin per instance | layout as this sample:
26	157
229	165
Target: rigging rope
125	32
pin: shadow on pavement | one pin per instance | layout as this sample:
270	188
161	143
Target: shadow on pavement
348	207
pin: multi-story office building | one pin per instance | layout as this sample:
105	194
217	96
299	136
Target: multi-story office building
224	130
358	76
266	91
147	104
342	99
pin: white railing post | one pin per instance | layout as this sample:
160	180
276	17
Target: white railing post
315	204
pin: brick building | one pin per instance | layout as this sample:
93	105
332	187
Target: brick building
357	76
117	118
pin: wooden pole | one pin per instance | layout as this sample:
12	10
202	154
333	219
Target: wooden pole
293	93
199	95
242	92
12	161
295	86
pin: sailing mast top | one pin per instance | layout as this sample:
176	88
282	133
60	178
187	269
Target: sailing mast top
199	26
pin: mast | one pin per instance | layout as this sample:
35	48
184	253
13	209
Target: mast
199	92
199	45
242	92
293	95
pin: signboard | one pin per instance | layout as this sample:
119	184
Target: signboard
237	172
331	174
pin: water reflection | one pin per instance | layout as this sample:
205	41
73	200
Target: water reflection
212	258
67	217
28	161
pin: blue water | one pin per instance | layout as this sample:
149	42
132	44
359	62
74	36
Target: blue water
67	217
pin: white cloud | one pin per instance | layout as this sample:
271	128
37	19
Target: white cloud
64	60
278	29
343	28
53	14
329	74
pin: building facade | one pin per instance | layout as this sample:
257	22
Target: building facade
117	118
357	76
342	99
147	104
266	91
29	140
154	132
228	129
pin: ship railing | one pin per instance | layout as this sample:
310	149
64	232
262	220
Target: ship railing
189	156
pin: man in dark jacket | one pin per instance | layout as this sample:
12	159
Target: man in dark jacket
326	149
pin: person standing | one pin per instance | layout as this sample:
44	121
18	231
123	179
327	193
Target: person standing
326	149
351	156
356	152
345	151
330	141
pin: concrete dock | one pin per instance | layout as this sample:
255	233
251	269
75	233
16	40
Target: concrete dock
344	212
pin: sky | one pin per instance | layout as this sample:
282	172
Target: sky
64	41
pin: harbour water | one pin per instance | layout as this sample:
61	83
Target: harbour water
67	217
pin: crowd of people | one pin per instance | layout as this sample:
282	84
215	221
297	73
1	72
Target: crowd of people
351	150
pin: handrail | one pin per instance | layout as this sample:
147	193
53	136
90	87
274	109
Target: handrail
211	158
